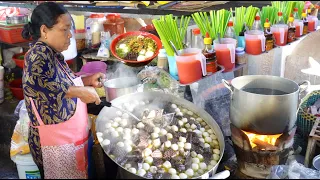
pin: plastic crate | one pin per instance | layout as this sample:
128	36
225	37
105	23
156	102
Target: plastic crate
11	34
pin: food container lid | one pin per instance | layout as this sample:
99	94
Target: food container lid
96	16
196	31
163	51
239	49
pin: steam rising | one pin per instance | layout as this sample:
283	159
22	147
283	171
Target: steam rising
120	70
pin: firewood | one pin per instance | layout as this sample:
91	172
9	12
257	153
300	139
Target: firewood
264	145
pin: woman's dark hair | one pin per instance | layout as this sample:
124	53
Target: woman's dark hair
47	14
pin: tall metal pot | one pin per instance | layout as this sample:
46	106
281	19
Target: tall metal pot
273	110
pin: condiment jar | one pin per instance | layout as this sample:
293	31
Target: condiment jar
241	56
162	60
114	24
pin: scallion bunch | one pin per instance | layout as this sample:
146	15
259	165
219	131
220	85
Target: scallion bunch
168	29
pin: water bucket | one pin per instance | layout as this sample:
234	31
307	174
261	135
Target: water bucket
225	52
191	65
255	42
26	167
280	34
299	27
173	70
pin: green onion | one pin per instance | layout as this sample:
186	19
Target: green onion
216	22
251	12
239	19
168	29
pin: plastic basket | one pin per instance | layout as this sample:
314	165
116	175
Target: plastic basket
11	34
306	120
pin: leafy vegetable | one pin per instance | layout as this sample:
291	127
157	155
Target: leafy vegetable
217	23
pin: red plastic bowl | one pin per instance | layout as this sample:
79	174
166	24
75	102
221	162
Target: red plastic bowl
16	88
136	33
20	62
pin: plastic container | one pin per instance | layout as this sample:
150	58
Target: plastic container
94	22
26	167
173	70
241	57
255	42
71	52
312	23
225	52
299	27
191	65
11	34
197	40
16	88
241	42
280	33
80	36
114	24
163	59
93	67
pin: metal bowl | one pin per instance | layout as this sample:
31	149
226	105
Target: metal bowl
106	113
316	162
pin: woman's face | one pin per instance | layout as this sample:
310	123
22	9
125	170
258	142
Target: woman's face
58	37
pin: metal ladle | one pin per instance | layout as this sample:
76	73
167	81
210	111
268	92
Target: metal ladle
174	48
108	104
219	38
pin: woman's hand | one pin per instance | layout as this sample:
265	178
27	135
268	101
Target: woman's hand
86	94
96	80
90	95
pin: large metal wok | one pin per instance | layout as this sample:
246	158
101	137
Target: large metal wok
106	112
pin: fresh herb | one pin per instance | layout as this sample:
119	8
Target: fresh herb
168	30
239	20
217	23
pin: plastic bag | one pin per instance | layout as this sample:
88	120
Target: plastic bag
105	45
19	139
24	119
156	79
210	94
293	170
18	144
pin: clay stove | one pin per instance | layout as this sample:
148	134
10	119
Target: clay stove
256	154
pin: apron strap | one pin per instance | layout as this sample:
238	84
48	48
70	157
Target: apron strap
36	112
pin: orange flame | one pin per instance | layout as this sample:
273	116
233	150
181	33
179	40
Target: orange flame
270	139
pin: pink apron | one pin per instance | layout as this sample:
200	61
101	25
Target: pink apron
64	145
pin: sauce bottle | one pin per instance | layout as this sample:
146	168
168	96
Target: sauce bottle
280	18
305	23
268	35
291	30
257	24
210	55
295	13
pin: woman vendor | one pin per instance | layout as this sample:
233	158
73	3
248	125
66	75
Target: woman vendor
55	97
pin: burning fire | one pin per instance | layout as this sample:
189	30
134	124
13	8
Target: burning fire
262	140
